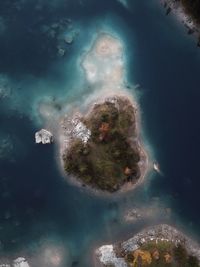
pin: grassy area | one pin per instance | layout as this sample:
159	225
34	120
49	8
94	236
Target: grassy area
110	157
161	254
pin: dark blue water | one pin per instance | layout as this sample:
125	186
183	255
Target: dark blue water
168	72
38	207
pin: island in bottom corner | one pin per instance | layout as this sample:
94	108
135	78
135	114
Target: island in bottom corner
157	246
109	155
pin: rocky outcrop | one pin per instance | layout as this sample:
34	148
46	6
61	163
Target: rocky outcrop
43	136
107	256
20	262
79	130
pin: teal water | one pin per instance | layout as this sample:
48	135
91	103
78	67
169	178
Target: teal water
40	210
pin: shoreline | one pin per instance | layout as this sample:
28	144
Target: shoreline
175	7
163	232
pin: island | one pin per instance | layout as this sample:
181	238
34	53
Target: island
100	139
99	136
160	245
104	150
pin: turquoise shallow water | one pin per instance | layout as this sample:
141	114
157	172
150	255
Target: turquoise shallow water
40	210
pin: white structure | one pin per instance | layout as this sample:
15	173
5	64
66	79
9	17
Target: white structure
44	137
20	262
80	130
107	256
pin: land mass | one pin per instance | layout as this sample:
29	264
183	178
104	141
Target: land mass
104	150
192	7
98	135
160	245
188	12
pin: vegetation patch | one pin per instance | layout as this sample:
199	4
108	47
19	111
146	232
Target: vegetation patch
160	254
110	157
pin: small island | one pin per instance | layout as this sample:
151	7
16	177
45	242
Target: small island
100	144
160	245
99	136
104	150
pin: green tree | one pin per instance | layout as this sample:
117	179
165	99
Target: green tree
192	262
180	255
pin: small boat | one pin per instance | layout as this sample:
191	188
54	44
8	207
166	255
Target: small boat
156	167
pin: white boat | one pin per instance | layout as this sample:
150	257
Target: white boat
156	167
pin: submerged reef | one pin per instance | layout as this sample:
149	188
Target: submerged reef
160	245
104	151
